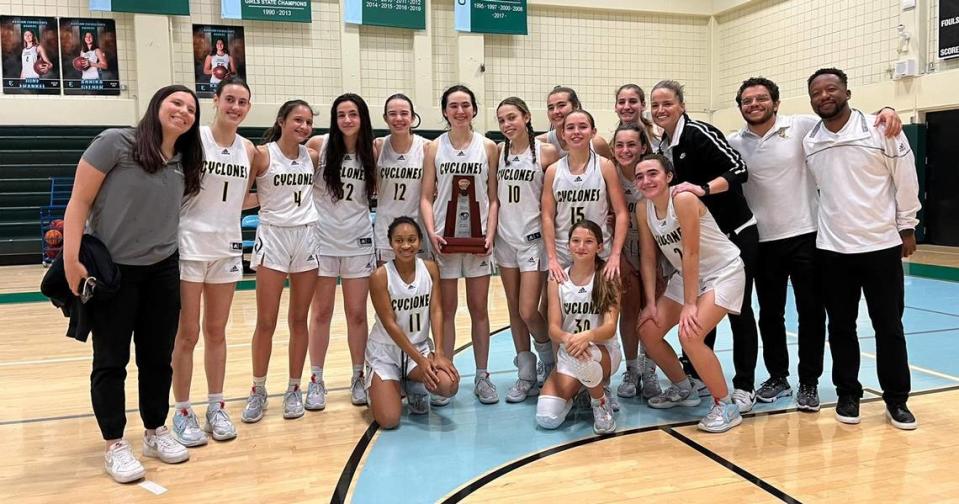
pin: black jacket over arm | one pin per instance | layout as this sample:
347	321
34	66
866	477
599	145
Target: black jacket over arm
702	155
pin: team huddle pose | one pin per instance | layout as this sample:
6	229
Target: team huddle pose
660	227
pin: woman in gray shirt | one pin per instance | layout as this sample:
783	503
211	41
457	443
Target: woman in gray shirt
127	192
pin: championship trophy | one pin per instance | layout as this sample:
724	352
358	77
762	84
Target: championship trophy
463	232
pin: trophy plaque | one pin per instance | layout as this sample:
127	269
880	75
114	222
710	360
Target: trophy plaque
463	232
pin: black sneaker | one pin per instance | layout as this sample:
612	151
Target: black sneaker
900	417
773	389
807	399
847	410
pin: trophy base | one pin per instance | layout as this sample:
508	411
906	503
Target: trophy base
464	245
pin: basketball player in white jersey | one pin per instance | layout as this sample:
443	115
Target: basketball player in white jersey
405	292
629	107
560	102
218	58
94	60
31	54
582	320
582	185
519	249
708	284
462	152
211	253
344	187
285	248
630	142
399	174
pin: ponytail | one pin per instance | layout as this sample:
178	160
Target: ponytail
605	292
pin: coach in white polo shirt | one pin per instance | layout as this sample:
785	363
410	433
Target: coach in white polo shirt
867	216
782	194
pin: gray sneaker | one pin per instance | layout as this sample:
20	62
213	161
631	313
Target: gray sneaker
629	384
651	386
419	404
485	390
255	405
357	391
186	429
218	423
773	389
807	399
520	390
674	396
603	421
315	395
721	418
699	387
543	371
293	403
439	401
611	399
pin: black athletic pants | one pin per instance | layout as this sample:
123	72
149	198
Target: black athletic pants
792	258
146	309
745	335
879	276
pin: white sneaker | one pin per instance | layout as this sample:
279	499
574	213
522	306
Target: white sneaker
186	428
164	446
218	423
315	395
744	400
439	401
484	390
675	396
293	403
611	399
520	390
651	386
721	418
629	384
603	421
357	391
120	463
255	405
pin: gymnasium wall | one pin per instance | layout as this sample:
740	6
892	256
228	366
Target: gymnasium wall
709	45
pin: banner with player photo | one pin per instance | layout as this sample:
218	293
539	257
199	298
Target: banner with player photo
88	56
218	52
30	55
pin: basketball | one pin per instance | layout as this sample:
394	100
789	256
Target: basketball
41	67
53	237
80	63
220	72
57	224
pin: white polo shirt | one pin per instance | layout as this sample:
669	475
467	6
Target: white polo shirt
867	183
780	191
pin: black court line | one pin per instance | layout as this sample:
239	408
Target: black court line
349	470
719	459
932	311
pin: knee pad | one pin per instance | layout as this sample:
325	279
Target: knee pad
551	411
526	363
588	372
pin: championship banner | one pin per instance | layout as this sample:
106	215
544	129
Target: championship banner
409	14
491	16
88	56
218	52
170	7
292	11
948	29
30	55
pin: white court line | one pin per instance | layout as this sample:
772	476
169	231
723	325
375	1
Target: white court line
913	367
81	358
152	487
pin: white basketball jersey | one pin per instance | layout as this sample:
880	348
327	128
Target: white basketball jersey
398	185
579	197
716	252
285	191
452	162
520	187
411	304
345	229
633	196
553	139
28	58
576	305
210	221
217	60
92	72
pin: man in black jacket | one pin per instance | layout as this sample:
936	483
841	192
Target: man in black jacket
709	168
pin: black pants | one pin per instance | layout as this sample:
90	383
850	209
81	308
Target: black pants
879	276
146	308
745	335
781	260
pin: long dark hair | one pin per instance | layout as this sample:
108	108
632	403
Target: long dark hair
521	105
273	133
92	46
605	292
642	99
232	80
446	95
226	49
148	139
643	137
401	96
336	149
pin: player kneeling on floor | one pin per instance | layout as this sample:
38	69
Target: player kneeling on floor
399	353
583	314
